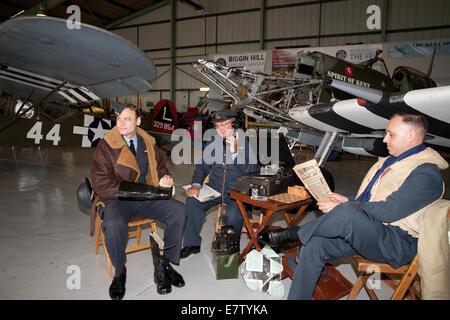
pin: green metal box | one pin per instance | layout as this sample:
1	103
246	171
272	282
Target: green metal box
225	264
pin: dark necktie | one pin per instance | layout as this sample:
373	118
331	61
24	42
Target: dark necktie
133	150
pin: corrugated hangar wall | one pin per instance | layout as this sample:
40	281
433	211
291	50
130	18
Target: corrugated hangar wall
236	26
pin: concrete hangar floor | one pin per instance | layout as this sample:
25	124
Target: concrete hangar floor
45	234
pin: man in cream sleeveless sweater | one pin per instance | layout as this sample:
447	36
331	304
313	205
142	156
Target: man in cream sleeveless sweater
382	222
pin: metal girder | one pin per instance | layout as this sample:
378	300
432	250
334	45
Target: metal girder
137	14
262	24
46	5
172	48
384	19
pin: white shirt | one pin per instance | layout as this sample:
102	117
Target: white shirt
135	142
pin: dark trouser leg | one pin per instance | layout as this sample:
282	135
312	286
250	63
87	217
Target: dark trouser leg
342	232
233	217
173	214
349	223
312	260
115	227
196	213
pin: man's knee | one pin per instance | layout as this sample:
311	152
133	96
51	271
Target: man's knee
179	210
195	210
231	218
346	211
192	204
114	227
172	211
114	218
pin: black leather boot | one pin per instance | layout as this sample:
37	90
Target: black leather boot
160	276
277	237
175	278
117	287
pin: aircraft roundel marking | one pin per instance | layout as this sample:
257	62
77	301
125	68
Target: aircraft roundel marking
94	134
164	117
93	130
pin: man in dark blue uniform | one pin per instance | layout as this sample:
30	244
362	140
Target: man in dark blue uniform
222	177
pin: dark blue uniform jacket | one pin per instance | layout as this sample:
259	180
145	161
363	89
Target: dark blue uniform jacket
422	187
217	169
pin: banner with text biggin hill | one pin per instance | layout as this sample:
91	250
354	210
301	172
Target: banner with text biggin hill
251	61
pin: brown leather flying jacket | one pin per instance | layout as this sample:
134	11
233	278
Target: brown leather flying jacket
113	162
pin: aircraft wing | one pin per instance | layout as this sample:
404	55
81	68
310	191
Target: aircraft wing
40	53
375	108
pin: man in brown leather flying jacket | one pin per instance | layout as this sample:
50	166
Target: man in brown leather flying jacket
127	156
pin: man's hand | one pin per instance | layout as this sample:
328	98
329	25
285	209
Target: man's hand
337	197
335	200
232	141
327	206
193	191
166	181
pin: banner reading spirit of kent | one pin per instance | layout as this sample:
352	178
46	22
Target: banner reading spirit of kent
251	61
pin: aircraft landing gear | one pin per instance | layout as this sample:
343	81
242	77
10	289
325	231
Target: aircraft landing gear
327	143
322	153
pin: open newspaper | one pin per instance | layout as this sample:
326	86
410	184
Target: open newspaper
311	176
206	193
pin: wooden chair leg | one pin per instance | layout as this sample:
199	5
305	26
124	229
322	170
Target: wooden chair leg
107	258
407	280
369	290
357	287
138	235
98	241
404	285
414	289
100	236
154	229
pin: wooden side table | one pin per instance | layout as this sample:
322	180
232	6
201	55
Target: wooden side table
271	207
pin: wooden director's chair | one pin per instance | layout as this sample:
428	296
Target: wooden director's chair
408	274
403	279
134	222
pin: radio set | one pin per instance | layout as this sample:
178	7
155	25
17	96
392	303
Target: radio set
226	240
259	185
272	179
